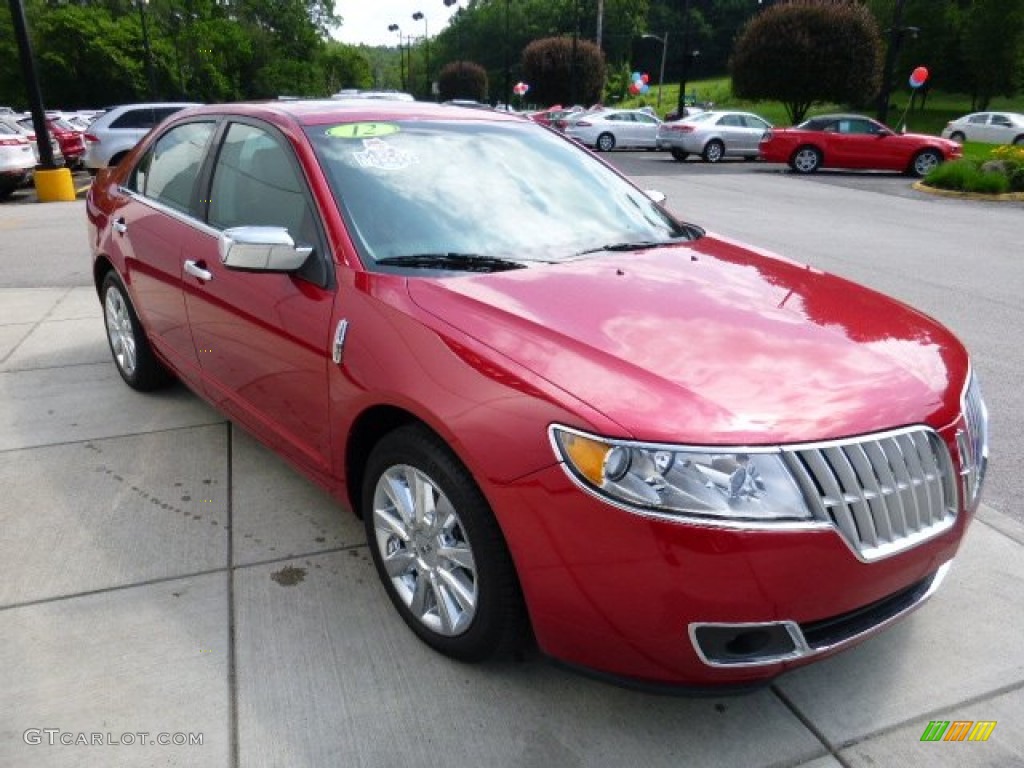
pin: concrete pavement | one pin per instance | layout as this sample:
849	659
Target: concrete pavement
163	574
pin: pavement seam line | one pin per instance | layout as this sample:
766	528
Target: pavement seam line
233	736
934	714
810	726
105	590
993	527
35	325
111	437
21	341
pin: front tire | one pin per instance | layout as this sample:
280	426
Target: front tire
133	356
714	151
925	162
605	142
958	137
806	160
438	549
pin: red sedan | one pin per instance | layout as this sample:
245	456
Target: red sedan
70	140
554	405
854	142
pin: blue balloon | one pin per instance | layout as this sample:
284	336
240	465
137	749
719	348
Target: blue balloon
636	76
645	88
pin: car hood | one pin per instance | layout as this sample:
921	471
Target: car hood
710	342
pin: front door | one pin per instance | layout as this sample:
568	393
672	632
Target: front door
263	338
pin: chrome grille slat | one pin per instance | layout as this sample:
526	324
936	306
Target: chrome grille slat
884	493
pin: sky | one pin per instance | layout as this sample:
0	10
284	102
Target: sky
367	21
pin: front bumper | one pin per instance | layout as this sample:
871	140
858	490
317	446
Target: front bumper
627	596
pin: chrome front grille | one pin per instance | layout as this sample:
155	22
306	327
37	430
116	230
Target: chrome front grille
973	444
884	493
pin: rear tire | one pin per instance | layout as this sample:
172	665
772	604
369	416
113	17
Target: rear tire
806	160
679	155
714	151
133	356
1019	141
438	549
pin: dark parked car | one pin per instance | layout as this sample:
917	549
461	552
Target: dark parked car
554	405
857	143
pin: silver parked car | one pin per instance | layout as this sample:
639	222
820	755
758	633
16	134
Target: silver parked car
714	135
114	133
610	128
989	127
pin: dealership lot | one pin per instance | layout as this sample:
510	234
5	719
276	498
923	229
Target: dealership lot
163	573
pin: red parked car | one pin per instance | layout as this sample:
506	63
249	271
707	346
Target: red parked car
70	140
554	405
855	142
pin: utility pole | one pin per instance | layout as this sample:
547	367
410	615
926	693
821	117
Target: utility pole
600	22
891	52
680	107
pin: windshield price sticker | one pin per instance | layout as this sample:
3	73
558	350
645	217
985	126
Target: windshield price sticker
362	130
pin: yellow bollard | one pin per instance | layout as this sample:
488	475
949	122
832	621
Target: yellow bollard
54	186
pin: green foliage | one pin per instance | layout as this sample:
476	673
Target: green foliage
463	80
992	177
94	53
548	66
808	51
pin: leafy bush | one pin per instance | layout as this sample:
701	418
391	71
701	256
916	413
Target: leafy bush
547	65
463	80
968	176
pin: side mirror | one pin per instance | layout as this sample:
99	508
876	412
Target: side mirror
656	195
261	249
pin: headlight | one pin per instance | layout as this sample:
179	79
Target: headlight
719	484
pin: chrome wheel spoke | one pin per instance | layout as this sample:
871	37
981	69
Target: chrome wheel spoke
459	589
397	490
399	563
387	523
418	599
459	556
447	612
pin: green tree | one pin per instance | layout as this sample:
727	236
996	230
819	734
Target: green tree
548	66
343	66
463	80
808	51
993	41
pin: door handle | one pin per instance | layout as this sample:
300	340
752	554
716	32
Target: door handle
193	268
120	227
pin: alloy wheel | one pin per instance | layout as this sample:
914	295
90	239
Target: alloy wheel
425	550
119	331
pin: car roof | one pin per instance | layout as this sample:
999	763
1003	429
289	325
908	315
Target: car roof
321	112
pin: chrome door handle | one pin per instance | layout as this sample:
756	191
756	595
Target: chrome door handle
120	227
193	268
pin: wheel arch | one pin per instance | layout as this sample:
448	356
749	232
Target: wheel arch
100	267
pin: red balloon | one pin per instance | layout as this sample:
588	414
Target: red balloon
918	77
645	77
633	88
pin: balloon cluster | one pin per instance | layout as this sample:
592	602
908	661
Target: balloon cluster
638	83
520	88
918	77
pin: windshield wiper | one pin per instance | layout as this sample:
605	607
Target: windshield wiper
467	262
636	245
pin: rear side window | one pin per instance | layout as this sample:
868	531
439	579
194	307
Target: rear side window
169	170
135	118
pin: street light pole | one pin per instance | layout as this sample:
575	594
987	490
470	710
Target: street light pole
681	106
426	43
150	79
661	74
401	53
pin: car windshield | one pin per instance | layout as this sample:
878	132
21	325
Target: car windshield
498	191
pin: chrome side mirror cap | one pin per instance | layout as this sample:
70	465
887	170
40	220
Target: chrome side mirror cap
261	249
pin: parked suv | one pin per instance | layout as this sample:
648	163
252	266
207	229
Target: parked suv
117	130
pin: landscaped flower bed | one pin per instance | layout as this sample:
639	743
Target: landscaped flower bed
1000	173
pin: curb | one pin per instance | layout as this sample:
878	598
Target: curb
1009	197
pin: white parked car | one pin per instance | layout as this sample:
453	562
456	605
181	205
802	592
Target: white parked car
989	127
714	135
610	128
16	159
114	133
30	134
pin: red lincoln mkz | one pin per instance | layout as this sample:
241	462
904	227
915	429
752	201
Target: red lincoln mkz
555	406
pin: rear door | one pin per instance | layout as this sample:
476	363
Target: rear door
157	225
262	338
